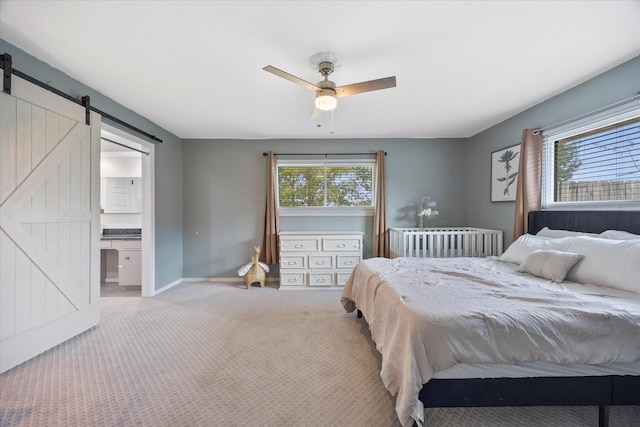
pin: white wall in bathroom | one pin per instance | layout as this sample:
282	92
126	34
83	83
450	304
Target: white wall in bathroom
121	220
120	164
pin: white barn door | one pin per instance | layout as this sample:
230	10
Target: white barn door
49	221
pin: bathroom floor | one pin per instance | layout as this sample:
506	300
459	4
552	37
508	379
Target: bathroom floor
115	290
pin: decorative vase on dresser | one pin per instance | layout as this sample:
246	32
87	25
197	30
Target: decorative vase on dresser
321	259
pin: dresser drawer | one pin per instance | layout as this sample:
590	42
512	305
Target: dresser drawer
299	245
347	261
293	261
320	261
292	279
321	279
341	244
342	278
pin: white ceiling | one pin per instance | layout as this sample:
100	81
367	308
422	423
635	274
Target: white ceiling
195	67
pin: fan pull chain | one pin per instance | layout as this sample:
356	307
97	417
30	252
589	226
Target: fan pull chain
332	131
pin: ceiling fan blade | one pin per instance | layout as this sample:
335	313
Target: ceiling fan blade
291	77
316	113
368	86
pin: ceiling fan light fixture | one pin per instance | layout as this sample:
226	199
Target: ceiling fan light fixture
326	90
326	100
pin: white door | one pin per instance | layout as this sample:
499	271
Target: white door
49	221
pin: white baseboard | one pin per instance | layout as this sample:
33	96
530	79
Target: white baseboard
241	280
167	287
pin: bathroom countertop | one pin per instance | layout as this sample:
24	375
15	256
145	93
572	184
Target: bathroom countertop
121	237
121	234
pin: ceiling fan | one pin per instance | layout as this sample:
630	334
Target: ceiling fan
326	90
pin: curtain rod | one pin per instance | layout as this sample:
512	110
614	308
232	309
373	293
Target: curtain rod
591	113
6	65
123	145
323	154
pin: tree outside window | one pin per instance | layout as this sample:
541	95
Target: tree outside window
326	185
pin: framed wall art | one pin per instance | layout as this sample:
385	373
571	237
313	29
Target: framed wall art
504	173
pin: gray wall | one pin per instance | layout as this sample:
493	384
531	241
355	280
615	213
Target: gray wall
168	165
223	180
215	188
224	193
615	85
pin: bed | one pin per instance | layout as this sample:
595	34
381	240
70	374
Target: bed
429	360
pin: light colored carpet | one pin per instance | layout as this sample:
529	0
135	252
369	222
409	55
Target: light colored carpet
112	305
215	354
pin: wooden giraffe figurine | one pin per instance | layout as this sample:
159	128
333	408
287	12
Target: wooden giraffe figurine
256	273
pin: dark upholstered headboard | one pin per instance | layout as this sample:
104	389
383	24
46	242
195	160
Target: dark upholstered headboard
585	221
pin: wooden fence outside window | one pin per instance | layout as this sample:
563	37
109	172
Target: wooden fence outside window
584	191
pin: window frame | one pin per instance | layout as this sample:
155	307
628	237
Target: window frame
603	119
326	210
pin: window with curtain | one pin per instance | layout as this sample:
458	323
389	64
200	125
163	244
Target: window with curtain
594	164
326	187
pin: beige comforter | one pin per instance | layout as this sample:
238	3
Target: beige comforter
426	315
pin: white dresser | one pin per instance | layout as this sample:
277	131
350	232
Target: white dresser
318	259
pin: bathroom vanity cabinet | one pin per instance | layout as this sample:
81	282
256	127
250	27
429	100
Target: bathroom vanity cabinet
129	258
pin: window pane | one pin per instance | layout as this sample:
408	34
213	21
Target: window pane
301	186
349	186
330	184
603	164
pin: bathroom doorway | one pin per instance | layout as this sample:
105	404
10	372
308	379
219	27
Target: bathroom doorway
127	158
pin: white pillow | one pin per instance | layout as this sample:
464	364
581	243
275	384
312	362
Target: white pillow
619	235
554	234
610	263
549	264
527	243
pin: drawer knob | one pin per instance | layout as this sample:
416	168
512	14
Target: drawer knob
320	280
319	262
348	263
298	246
291	263
341	245
292	280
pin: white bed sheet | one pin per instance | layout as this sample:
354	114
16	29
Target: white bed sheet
427	315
